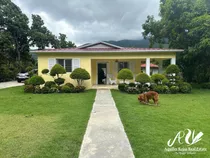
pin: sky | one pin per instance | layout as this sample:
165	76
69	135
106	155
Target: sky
88	21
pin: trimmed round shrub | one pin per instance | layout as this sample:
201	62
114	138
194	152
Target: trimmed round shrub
45	71
59	81
50	84
70	85
132	90
65	89
165	81
166	89
158	89
142	78
36	80
37	90
121	87
185	87
80	75
132	84
125	74
172	69
53	90
45	90
29	89
56	70
157	78
174	89
79	89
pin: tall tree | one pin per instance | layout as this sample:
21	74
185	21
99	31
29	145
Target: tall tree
64	43
180	24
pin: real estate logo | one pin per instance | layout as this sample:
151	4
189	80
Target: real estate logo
187	138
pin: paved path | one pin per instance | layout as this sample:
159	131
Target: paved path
10	84
105	136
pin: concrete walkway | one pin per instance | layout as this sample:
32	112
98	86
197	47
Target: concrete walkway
10	84
105	136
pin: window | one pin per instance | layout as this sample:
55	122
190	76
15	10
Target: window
66	63
122	65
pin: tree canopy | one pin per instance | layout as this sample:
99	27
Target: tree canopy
184	24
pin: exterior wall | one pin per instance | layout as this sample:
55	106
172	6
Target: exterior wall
89	62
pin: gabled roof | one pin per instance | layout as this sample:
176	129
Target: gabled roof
104	47
105	44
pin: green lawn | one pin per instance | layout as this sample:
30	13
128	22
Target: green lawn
43	125
149	128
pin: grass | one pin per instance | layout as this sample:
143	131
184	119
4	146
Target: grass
149	128
50	125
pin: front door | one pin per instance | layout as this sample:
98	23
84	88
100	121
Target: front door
102	72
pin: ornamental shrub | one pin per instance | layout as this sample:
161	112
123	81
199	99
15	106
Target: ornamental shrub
37	90
121	87
29	89
132	90
57	70
70	85
79	89
53	90
142	78
205	85
158	88
157	78
50	84
80	75
65	89
59	81
125	74
45	71
185	87
45	90
172	69
165	81
174	89
36	80
132	84
29	68
26	82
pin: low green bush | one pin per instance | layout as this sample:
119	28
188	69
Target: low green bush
26	82
142	78
36	80
37	90
53	90
121	87
50	84
29	89
205	85
29	68
79	89
174	89
157	78
185	87
165	81
132	84
45	90
132	90
125	74
45	71
65	89
164	89
70	85
59	81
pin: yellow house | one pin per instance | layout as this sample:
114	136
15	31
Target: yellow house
102	59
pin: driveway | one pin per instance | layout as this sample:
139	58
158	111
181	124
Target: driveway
10	84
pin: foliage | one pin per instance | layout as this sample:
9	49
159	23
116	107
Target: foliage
37	90
80	75
205	85
53	90
132	90
63	43
174	89
36	80
180	27
45	90
50	84
121	86
125	74
70	85
161	89
65	89
29	68
172	69
59	81
157	78
142	78
57	70
165	81
185	87
132	84
45	71
79	89
26	82
29	89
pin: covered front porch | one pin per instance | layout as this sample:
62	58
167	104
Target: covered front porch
104	71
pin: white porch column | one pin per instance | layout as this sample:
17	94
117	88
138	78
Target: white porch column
160	66
173	61
148	66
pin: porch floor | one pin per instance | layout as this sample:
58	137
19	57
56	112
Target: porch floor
105	87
